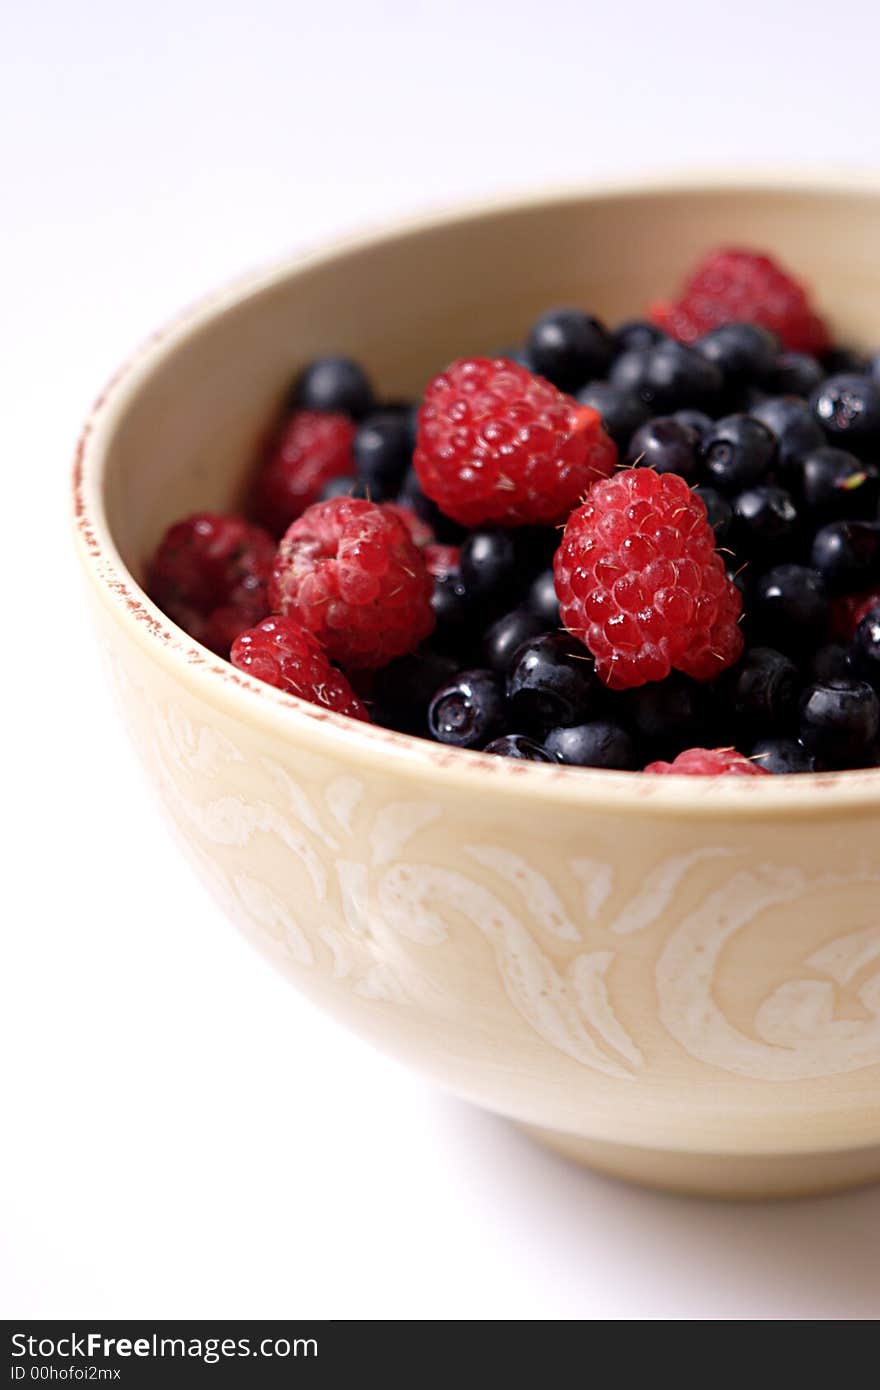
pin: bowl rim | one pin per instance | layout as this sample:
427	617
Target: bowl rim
218	682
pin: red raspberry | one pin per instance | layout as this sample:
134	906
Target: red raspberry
421	533
640	584
349	571
497	444
441	559
710	762
735	286
847	612
209	574
282	653
309	449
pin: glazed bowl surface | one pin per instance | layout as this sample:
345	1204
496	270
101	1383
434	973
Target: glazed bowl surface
675	979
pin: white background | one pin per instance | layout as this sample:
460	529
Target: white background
183	1135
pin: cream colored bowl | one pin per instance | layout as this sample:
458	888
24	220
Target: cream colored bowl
673	979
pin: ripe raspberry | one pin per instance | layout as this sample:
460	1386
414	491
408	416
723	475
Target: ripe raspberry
736	286
441	559
420	532
349	571
497	444
309	449
640	584
282	653
210	573
710	762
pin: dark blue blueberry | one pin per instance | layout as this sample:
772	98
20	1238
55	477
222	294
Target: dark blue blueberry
835	485
382	453
411	495
346	486
402	691
635	334
621	411
765	521
848	409
847	555
598	743
839	722
791	608
667	446
738	453
874	366
668	377
763	690
505	636
843	359
794	374
333	384
518	746
792	423
670	715
455	611
831	662
743	352
490	566
551	682
782	755
542	598
866	648
535	548
695	420
569	348
467	711
719	512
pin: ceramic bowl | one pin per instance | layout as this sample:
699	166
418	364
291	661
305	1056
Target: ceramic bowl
676	980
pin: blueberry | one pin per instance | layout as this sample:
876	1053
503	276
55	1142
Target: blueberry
542	598
866	648
489	566
792	423
507	634
742	351
667	446
333	384
848	409
670	715
411	495
791	608
834	485
740	451
843	359
551	682
839	721
832	662
568	347
782	755
346	486
382	453
599	743
874	366
695	420
518	746
794	374
468	711
765	521
719	512
402	690
635	334
847	555
668	377
622	412
454	611
764	690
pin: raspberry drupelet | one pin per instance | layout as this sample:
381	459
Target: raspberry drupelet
736	286
348	570
497	444
309	450
281	652
641	585
710	762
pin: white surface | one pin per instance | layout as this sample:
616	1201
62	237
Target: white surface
184	1135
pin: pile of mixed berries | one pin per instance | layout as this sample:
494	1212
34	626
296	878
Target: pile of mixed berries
653	548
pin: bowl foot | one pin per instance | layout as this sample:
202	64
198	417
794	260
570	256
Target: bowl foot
734	1176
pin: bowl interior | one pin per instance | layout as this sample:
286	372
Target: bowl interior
408	302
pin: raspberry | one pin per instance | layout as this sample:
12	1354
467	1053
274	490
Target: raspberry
209	574
497	444
710	762
847	612
421	533
348	570
736	286
640	584
307	452
282	653
441	559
